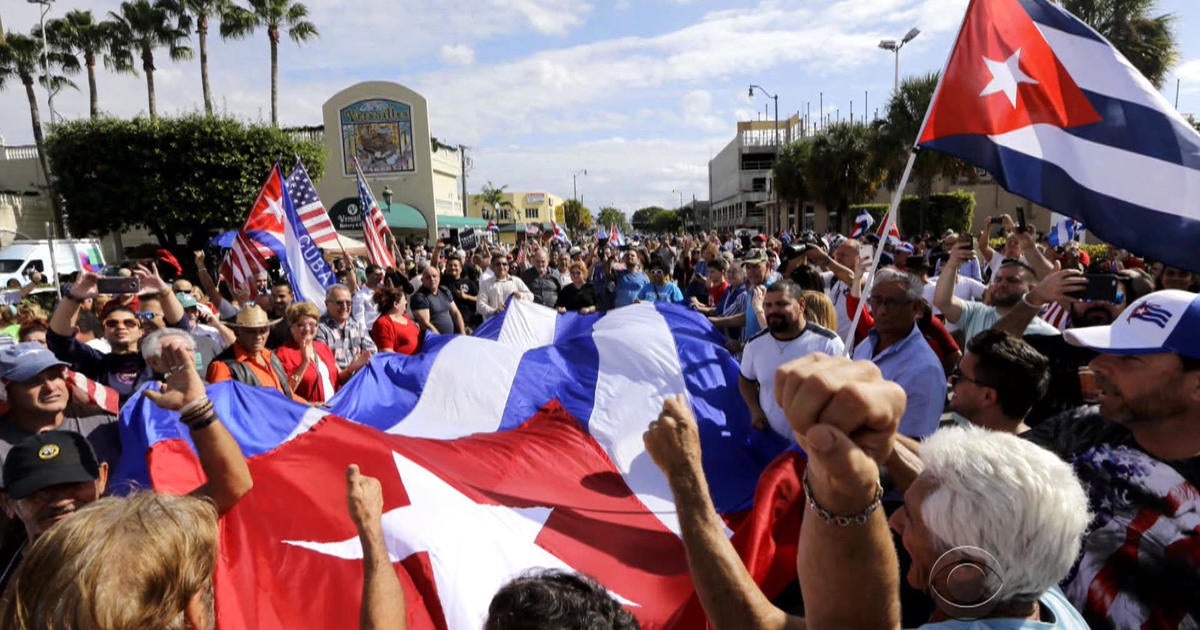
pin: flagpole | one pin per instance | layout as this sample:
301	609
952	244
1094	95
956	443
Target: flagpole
890	219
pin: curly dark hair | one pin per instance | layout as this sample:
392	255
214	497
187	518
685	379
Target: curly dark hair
386	298
552	599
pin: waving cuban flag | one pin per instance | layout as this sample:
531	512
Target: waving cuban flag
1057	115
862	223
1063	230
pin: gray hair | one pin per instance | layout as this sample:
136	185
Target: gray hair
913	285
151	345
337	287
1009	497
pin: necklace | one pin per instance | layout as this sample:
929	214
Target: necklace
782	346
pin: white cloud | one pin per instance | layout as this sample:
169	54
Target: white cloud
1189	71
458	54
697	111
550	17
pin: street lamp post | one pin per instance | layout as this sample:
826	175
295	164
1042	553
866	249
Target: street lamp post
574	196
894	46
774	97
387	198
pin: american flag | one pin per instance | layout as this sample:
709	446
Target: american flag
308	205
375	227
250	250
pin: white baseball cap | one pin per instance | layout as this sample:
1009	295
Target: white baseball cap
1163	321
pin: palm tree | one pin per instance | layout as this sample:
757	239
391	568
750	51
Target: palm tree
494	197
78	33
201	10
788	178
1147	41
144	26
895	134
21	59
273	15
842	168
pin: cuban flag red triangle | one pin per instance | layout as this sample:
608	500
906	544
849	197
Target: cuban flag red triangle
1004	76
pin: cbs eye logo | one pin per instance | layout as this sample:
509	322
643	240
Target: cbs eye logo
966	581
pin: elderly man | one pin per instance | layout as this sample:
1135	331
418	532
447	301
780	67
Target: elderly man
493	293
897	346
122	369
788	336
248	360
1139	456
350	342
433	305
542	281
982	559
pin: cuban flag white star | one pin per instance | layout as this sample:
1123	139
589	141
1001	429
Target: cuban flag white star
1006	76
474	549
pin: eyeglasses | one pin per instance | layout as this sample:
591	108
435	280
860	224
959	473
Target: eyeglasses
500	264
656	272
340	302
957	376
115	323
148	315
889	304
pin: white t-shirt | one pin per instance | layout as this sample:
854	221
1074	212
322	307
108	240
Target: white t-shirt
764	354
837	292
998	259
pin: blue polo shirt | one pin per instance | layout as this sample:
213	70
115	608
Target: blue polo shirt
629	284
911	364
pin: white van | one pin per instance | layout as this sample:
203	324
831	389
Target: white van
70	255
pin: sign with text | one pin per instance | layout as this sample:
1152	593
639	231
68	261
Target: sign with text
347	214
379	133
467	239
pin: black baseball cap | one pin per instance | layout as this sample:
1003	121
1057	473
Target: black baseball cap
48	459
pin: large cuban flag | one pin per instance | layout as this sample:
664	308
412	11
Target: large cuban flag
515	449
1057	115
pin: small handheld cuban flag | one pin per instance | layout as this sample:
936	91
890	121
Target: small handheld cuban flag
862	223
1063	230
492	227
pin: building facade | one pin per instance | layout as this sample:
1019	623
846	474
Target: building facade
522	210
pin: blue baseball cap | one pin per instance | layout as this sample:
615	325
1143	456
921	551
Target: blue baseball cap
26	360
1163	321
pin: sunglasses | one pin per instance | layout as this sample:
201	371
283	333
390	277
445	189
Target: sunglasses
147	315
340	302
115	323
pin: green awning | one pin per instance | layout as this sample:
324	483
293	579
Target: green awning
444	221
404	217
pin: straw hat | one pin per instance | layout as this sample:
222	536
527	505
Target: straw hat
252	316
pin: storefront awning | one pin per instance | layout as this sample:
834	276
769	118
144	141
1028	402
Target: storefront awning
404	217
451	221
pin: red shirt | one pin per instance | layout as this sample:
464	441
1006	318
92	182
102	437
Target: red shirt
389	333
309	387
715	293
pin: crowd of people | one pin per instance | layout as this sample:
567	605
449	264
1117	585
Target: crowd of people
1033	444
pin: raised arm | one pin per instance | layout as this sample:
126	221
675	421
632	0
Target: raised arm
943	291
62	320
827	400
382	595
228	476
727	592
1054	288
206	280
153	283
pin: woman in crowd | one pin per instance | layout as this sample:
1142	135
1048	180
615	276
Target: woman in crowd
660	288
311	369
394	331
579	296
818	309
1176	278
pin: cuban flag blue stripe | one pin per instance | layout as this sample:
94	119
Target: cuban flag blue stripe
610	371
1158	234
1139	129
1052	16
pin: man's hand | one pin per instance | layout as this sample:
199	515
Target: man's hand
757	297
86	286
1058	287
845	416
364	498
183	384
198	256
241	293
152	283
673	440
960	254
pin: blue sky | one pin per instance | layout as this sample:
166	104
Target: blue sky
640	93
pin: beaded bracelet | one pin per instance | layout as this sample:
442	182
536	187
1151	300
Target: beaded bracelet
838	519
203	422
1025	301
191	416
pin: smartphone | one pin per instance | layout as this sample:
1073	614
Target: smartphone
118	284
968	239
1021	218
866	252
996	221
1100	287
